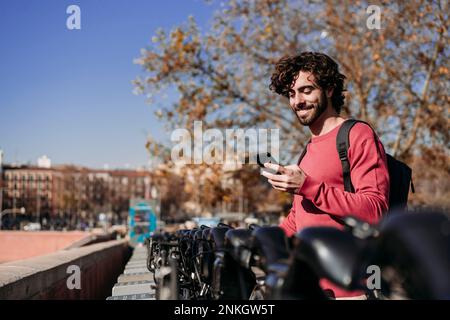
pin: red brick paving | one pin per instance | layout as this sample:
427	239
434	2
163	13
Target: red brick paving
16	245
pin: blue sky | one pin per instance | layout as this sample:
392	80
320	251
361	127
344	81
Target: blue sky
68	93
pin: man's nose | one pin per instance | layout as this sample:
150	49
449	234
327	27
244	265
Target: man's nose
298	100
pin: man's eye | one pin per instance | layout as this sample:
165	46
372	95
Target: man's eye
307	91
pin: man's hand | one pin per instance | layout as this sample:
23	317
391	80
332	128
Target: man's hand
290	179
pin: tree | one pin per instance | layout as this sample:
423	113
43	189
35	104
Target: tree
398	76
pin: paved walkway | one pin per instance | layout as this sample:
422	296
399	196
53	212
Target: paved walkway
19	245
136	282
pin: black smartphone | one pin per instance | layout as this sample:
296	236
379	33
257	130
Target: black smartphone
264	157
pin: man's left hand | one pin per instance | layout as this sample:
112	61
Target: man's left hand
290	178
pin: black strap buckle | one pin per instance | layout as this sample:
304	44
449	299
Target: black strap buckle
342	153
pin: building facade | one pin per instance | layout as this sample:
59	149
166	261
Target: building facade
68	196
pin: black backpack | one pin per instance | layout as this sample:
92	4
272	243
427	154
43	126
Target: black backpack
400	175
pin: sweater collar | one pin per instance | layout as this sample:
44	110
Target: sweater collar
331	134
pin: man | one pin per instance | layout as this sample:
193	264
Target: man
314	86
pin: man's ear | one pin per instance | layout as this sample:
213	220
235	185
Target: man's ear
329	92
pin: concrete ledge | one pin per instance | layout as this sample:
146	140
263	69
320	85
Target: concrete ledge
46	277
92	239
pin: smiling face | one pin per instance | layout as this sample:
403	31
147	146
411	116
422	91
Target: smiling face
307	99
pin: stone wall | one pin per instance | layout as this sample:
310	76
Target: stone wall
46	277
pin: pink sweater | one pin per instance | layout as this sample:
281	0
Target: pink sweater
323	193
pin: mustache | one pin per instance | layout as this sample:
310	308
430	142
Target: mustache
302	106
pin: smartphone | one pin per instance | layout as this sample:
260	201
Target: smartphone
264	157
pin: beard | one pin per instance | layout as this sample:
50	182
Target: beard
313	111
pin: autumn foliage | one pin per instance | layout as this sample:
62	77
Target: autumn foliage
397	78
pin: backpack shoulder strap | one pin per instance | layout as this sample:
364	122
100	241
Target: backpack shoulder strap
342	145
303	153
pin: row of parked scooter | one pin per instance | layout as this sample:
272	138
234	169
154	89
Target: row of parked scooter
405	256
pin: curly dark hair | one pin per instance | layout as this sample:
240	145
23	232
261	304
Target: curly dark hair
324	69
